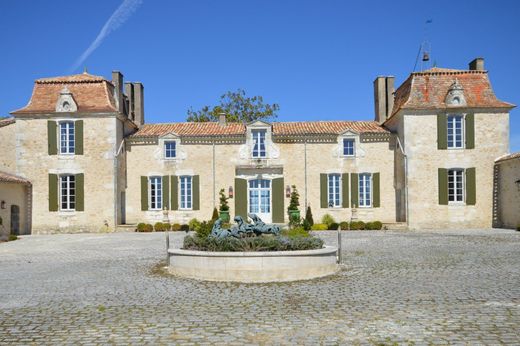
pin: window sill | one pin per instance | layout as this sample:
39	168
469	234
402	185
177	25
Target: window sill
457	204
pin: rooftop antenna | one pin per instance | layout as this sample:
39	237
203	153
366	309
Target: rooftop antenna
425	49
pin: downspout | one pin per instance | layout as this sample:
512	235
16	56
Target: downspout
214	182
405	180
116	169
305	170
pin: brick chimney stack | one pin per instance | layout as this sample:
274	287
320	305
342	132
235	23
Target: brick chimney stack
477	64
383	97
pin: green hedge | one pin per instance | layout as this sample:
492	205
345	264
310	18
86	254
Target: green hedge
144	227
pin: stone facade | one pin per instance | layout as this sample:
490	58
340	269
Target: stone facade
14	199
507	197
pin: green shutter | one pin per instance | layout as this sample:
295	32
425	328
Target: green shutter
324	201
443	186
442	131
470	131
355	190
471	186
166	191
278	200
241	198
196	192
376	190
344	190
175	192
52	137
144	193
53	192
78	137
80	192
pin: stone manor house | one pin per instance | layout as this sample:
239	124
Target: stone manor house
80	157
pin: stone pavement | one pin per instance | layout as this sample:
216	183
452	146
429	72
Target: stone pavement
459	287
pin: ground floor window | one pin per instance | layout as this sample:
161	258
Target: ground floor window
68	192
155	193
455	185
186	192
365	190
334	194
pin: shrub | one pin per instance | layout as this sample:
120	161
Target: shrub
161	227
327	219
308	216
343	225
12	237
294	221
204	229
333	226
263	243
296	232
144	227
306	225
214	216
223	201
357	225
194	224
376	225
319	227
294	203
185	228
176	227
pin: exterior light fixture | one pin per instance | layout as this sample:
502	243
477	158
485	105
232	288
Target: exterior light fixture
287	191
517	183
230	192
2	205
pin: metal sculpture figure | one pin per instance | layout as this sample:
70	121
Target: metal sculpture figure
243	228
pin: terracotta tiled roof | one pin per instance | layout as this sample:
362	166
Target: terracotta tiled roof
6	121
91	94
11	178
508	157
279	128
428	90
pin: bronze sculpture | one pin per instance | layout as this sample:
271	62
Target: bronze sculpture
244	229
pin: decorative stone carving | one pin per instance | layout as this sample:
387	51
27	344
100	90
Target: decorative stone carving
455	96
66	102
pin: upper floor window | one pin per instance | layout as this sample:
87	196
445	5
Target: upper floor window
156	193
348	146
365	190
170	149
186	195
455	131
455	185
67	192
258	137
334	194
67	139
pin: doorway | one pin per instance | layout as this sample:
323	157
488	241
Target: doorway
260	199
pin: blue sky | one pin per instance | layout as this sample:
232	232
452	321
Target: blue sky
317	59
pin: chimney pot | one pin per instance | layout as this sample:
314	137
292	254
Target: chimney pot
117	81
383	97
222	119
477	64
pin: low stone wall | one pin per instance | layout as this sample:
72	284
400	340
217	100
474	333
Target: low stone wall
273	266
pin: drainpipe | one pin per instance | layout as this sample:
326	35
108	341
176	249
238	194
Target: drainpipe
116	169
305	170
405	179
214	182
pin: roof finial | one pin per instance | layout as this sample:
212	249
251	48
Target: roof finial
85	70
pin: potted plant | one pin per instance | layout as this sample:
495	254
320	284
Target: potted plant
224	207
292	209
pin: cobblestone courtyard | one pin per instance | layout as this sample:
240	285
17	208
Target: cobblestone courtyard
407	288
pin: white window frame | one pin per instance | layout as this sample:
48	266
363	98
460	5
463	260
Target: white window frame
185	199
454	135
256	135
353	140
362	202
166	157
67	141
70	194
336	193
458	198
158	202
260	189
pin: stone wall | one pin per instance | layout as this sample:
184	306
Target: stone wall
8	148
509	193
13	194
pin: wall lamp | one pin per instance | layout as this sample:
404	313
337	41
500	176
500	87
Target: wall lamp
230	192
288	191
2	205
517	183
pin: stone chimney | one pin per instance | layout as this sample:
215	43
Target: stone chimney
383	97
477	64
222	119
129	91
138	104
117	81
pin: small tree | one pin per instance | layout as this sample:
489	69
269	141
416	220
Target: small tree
223	201
214	216
295	200
308	216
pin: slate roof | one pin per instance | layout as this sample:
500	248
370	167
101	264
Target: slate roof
91	93
428	90
508	157
11	178
194	129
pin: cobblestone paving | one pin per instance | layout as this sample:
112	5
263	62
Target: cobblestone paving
395	288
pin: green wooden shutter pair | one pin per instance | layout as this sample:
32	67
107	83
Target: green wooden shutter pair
144	193
376	194
52	137
241	198
174	189
324	200
442	131
376	190
471	186
278	201
166	191
345	191
171	188
79	193
354	185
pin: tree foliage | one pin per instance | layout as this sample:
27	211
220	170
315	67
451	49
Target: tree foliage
238	108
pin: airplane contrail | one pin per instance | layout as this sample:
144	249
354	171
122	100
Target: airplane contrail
118	18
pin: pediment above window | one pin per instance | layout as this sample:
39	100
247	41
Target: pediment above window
66	102
259	123
170	135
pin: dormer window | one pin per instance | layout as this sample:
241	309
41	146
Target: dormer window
258	137
170	149
348	146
